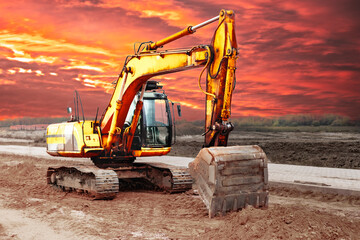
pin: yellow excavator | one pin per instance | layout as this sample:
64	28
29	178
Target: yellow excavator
139	122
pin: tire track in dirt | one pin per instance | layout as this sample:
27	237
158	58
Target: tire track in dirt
16	225
141	214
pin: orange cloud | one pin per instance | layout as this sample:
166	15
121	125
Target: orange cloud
294	56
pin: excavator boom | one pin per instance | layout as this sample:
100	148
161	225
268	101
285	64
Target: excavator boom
219	59
139	69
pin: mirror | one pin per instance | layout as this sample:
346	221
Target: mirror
69	110
179	109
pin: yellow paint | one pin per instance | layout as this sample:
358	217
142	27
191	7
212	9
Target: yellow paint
71	138
151	152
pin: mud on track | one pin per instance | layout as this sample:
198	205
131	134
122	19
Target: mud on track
32	210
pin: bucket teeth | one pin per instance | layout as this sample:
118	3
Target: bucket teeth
230	178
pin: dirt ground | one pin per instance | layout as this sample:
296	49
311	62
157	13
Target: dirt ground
30	209
321	149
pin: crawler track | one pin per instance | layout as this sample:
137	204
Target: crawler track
98	183
95	182
173	179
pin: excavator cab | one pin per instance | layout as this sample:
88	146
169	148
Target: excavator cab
153	132
154	127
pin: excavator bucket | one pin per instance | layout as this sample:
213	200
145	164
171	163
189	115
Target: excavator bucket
230	178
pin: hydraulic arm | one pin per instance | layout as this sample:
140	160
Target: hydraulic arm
219	59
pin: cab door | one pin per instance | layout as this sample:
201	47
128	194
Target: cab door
157	121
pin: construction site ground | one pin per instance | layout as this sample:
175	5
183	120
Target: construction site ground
30	209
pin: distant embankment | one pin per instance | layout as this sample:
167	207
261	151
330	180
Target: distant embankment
29	127
26	122
287	123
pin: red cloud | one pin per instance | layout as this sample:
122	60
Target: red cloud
295	57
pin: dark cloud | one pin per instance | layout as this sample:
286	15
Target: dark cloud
342	67
276	13
295	57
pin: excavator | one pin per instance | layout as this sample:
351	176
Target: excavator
139	122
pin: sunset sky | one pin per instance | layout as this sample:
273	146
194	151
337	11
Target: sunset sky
295	57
